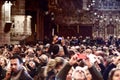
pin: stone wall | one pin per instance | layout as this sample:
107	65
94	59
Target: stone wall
18	8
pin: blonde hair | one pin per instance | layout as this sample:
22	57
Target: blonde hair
50	65
5	61
59	61
53	64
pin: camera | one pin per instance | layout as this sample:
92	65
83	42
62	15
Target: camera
82	56
59	38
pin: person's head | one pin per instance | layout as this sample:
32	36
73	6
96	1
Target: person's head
55	39
59	63
88	51
16	63
88	74
31	64
30	53
3	61
16	49
71	53
78	74
57	51
43	59
50	66
69	75
114	74
46	47
38	51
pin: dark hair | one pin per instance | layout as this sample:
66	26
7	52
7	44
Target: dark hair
17	57
38	49
71	53
55	49
112	73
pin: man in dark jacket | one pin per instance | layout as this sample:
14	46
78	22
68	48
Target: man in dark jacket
17	71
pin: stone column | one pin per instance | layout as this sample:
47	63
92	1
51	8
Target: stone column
4	37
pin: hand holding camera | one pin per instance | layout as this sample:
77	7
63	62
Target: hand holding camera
82	56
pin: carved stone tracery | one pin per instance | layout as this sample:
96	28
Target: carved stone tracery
104	15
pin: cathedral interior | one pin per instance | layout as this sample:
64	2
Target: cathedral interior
31	20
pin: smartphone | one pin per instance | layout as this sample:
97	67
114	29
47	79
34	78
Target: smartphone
59	38
82	56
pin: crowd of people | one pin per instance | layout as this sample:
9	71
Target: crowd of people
68	58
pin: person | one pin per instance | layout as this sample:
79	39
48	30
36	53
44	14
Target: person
17	70
112	65
53	67
58	48
81	75
3	65
78	74
49	72
88	74
114	74
32	68
69	75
